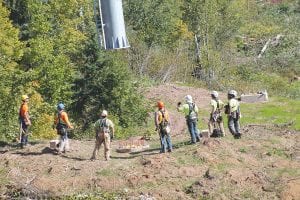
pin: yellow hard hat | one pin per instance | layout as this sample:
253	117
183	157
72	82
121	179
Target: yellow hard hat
24	97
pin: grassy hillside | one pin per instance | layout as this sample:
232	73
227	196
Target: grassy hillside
264	164
281	112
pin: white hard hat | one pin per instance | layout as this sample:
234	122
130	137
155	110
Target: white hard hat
188	99
232	92
214	94
104	113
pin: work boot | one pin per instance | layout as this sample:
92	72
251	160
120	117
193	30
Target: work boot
92	158
237	136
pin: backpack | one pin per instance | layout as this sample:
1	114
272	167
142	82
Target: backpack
164	125
103	127
227	109
216	133
193	116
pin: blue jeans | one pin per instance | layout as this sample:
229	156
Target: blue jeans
64	142
165	142
234	126
192	126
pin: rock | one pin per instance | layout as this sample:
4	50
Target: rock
207	175
145	161
268	188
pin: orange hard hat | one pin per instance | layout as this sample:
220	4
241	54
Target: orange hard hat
160	104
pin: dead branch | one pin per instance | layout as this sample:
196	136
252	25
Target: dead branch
264	48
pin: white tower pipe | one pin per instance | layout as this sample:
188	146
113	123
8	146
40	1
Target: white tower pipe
113	26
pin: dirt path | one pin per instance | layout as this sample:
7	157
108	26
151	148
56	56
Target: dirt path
264	164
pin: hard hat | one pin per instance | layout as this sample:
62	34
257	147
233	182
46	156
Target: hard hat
160	104
104	113
24	97
232	92
60	106
188	99
214	94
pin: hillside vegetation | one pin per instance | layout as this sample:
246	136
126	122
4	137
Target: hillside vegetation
49	51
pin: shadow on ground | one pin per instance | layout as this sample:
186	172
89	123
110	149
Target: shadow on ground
46	150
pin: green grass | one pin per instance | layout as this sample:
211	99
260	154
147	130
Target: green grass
290	172
277	111
222	167
3	176
278	152
105	172
243	150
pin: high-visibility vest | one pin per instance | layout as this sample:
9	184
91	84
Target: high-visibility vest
163	115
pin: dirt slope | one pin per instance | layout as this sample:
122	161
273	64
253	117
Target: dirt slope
264	164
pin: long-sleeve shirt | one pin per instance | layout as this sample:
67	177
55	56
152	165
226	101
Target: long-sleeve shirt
185	108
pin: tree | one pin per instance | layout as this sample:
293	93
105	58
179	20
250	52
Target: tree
11	51
105	82
156	21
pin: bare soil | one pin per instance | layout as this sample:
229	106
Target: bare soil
264	164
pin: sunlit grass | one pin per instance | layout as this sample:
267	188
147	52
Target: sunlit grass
277	111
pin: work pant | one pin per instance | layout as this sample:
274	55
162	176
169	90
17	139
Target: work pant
192	126
64	142
234	126
24	134
212	123
102	138
165	141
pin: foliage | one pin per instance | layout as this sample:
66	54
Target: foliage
48	51
41	121
11	51
108	84
156	21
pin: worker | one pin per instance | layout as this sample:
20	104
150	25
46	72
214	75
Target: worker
162	123
232	109
105	131
62	125
190	111
25	121
216	119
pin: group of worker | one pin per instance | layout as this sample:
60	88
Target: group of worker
104	127
190	110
